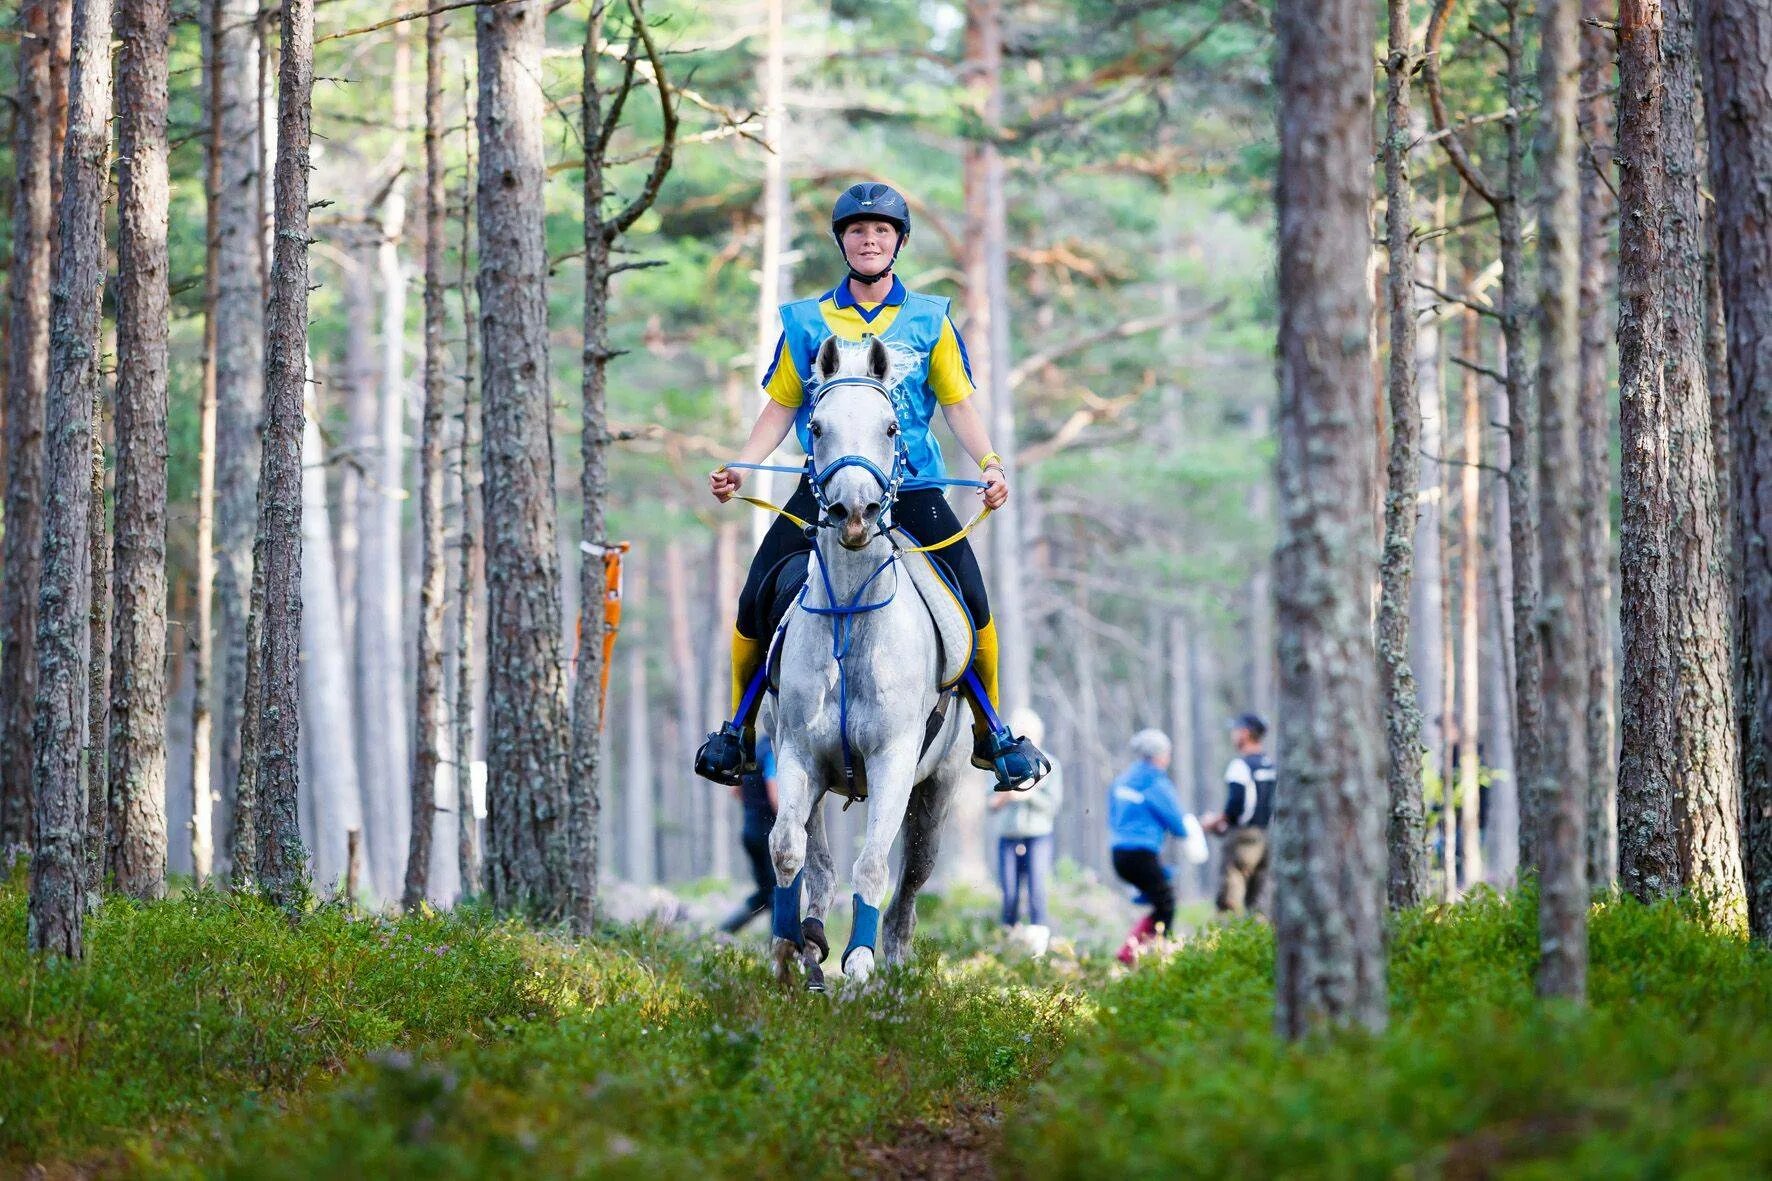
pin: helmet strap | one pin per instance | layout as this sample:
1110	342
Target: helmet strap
861	278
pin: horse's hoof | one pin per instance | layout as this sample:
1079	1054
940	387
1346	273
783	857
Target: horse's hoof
858	965
815	979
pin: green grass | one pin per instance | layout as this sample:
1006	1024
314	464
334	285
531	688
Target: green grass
207	1036
1667	1074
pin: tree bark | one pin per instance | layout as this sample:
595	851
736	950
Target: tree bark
1470	559
98	661
526	755
57	875
282	864
1561	804
137	853
1596	451
1522	416
1737	37
381	632
202	638
1406	840
239	379
1707	790
1648	857
428	659
1329	915
328	723
472	556
27	376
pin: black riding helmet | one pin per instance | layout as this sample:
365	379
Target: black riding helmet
870	199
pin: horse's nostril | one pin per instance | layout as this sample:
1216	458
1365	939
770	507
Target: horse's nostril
838	513
872	510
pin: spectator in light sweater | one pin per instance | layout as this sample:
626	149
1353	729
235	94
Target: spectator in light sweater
1024	821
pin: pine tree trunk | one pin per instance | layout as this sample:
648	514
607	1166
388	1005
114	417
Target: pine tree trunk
428	660
1737	36
1406	838
1561	804
98	661
1707	791
684	806
381	632
282	864
774	272
987	311
57	876
1596	451
328	724
1470	560
27	376
526	748
137	856
1522	423
639	815
239	382
1648	858
202	638
1329	848
471	555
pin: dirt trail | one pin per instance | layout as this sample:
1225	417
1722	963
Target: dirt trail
963	1148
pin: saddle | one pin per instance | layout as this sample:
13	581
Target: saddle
956	638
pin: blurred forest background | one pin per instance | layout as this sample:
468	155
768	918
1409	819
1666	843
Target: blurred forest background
1136	158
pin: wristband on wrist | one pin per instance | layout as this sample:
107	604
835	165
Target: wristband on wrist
993	459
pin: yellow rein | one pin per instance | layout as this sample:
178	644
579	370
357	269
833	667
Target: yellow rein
977	520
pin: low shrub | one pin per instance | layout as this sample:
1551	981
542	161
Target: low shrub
1668	1072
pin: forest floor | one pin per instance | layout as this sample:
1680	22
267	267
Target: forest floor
206	1036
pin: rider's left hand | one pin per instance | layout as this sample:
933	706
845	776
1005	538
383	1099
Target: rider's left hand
996	488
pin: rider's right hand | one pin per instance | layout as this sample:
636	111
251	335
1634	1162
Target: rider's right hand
724	483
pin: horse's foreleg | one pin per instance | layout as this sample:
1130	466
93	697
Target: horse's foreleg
922	837
787	849
821	880
889	781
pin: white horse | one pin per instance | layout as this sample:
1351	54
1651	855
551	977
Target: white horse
860	720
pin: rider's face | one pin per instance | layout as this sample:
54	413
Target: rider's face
869	244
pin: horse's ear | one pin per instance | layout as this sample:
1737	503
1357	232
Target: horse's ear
878	361
828	359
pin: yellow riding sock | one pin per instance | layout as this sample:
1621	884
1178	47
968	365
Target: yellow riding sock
984	663
747	654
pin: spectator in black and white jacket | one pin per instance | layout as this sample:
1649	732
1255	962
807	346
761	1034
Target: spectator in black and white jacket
1248	807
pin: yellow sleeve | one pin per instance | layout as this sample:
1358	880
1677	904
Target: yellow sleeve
782	382
950	372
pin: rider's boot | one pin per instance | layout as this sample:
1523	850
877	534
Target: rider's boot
1017	762
729	750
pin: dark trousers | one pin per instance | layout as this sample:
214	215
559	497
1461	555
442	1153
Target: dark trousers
921	512
756	846
1024	864
1244	870
1144	869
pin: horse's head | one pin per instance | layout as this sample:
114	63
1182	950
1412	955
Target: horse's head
855	448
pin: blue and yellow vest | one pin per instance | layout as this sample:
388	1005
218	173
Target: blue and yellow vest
909	340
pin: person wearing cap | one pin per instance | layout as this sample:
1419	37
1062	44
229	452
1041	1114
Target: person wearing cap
1248	808
871	223
1143	811
1024	823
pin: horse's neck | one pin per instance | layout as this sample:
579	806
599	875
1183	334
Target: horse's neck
850	570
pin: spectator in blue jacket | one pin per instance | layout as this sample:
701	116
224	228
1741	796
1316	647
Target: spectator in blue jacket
1144	810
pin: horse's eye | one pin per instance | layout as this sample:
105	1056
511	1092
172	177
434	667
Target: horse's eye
892	430
816	430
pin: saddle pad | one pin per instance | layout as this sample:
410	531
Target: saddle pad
953	626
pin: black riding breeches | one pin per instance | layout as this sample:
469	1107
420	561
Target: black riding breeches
1144	869
921	512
